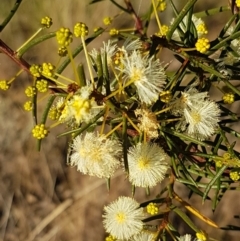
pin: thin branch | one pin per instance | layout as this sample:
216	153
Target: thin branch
10	15
138	21
11	54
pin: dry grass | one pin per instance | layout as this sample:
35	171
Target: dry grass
41	198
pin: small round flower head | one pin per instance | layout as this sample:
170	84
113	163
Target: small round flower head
113	32
47	69
228	160
148	75
201	236
57	109
107	21
62	51
201	29
238	3
200	25
39	131
202	120
202	45
53	113
81	107
123	218
152	208
118	57
28	105
42	85
30	91
35	70
162	5
96	155
234	175
148	122
164	30
227	156
228	98
143	236
46	22
64	36
148	164
80	30
166	96
4	85
110	238
129	45
186	237
218	163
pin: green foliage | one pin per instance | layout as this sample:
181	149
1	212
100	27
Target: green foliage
158	123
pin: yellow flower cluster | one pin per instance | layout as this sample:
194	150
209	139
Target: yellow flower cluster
162	5
64	36
201	236
218	163
114	32
62	51
166	96
237	3
229	160
202	29
42	85
28	105
228	98
47	69
234	176
110	238
164	29
54	113
117	57
35	70
107	21
30	91
39	131
202	45
152	208
4	85
80	30
78	107
46	22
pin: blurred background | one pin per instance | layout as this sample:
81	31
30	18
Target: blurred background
41	198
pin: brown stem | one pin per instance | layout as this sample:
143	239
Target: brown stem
23	63
138	21
11	54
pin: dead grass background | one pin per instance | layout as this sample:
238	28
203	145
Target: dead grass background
41	198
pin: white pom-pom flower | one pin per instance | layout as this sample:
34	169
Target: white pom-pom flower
96	155
148	164
123	218
145	73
